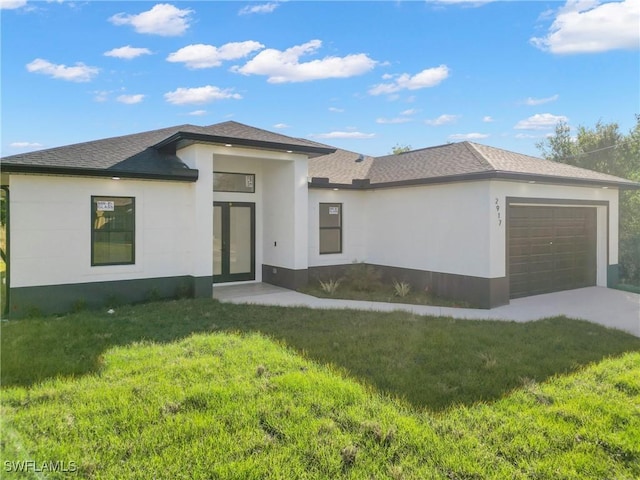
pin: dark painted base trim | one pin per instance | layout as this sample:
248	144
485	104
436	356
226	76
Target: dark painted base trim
613	275
285	277
477	291
55	299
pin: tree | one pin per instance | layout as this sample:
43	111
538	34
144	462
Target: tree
605	149
398	149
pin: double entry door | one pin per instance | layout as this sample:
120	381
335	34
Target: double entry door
234	241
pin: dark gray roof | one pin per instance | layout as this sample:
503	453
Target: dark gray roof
151	154
451	162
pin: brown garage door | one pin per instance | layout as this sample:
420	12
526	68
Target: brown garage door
550	249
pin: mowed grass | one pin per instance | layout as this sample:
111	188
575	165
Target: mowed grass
198	389
430	362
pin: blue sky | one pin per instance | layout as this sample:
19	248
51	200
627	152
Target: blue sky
364	76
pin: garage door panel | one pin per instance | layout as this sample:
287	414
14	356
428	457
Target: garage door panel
550	248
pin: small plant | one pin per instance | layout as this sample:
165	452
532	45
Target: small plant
488	360
362	277
79	305
330	286
153	295
402	289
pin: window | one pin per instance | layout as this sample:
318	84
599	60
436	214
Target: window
112	230
234	182
330	228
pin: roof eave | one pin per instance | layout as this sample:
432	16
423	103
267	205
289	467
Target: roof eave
309	150
187	175
467	177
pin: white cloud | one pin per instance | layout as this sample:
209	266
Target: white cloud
199	95
540	121
487	119
336	110
101	95
127	52
78	73
280	126
468	136
130	99
12	4
263	8
429	77
207	56
352	135
197	113
411	111
163	19
442	120
395	120
539	101
284	66
587	26
27	145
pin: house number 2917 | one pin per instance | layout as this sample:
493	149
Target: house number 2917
498	211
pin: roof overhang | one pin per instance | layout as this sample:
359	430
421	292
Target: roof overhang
183	175
365	184
184	138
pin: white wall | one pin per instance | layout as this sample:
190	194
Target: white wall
449	228
280	196
354	220
51	229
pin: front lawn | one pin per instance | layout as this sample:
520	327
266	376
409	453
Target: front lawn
431	362
137	395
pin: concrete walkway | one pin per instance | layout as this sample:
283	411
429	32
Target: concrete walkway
608	307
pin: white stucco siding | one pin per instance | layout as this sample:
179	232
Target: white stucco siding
280	198
439	228
354	220
51	229
607	235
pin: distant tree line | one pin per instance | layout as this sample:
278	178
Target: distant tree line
604	148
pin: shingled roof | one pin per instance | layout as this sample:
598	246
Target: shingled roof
448	163
152	154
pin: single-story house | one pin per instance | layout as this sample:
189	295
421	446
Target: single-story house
182	209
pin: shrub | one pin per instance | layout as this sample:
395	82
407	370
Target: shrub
402	288
330	286
362	277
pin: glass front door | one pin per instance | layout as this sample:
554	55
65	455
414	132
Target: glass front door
234	241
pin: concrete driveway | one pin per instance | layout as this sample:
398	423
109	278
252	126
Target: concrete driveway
608	307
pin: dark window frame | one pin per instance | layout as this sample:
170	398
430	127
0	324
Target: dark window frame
131	230
253	184
321	228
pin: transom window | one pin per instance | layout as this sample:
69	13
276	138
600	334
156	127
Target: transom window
112	230
330	228
234	182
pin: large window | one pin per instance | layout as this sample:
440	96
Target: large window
330	228
112	230
234	182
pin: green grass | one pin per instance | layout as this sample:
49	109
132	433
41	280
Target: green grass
430	362
198	389
628	287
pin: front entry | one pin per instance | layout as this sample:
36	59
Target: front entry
234	241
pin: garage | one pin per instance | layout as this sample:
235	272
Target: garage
550	248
